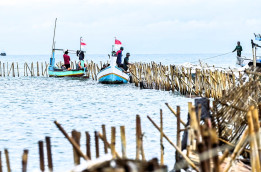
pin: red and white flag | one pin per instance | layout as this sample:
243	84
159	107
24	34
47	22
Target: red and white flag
117	42
117	45
82	44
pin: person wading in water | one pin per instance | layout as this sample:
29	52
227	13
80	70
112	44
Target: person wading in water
238	49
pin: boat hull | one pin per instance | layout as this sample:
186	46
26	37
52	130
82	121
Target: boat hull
65	73
112	75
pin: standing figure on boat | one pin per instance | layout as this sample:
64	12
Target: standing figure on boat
238	49
119	55
67	59
126	62
81	64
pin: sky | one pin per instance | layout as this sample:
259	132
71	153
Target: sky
143	26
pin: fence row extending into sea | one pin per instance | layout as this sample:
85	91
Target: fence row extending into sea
204	82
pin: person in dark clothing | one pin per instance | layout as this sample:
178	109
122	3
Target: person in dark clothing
66	59
119	55
126	62
80	54
238	49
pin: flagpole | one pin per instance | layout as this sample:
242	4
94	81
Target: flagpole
80	43
53	46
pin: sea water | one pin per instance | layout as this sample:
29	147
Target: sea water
30	105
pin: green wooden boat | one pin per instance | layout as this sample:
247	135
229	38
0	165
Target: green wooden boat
54	71
64	73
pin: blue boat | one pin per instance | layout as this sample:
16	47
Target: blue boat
257	37
113	74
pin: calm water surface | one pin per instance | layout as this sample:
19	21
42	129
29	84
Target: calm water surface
29	105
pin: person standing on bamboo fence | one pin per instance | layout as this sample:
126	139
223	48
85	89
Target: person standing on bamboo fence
238	49
67	59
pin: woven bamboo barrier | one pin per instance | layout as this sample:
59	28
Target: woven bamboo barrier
201	82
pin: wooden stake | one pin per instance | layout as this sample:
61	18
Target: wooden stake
24	160
105	138
37	65
1	166
113	137
97	144
49	153
178	135
109	145
236	150
17	70
7	161
123	142
138	144
41	155
88	145
253	142
161	139
76	136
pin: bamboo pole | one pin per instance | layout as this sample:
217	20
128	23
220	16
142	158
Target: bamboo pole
76	136
178	132
24	160
13	69
161	139
41	155
123	142
253	142
8	166
3	69
179	151
88	145
37	68
138	135
49	153
17	70
32	69
223	157
105	138
257	131
9	70
42	68
236	150
109	145
113	137
97	144
75	145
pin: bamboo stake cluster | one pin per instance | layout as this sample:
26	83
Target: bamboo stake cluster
199	82
230	111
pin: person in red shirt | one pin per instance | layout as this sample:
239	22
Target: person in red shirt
66	59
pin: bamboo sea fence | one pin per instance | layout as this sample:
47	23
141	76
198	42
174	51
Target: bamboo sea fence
36	69
203	82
